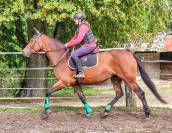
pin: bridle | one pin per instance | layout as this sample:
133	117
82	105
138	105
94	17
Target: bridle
36	42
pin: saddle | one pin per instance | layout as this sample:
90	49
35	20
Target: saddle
88	61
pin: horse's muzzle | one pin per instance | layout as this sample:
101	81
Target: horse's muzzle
26	53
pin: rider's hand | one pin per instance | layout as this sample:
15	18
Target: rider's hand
66	45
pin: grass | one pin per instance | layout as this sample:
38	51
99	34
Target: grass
27	110
88	91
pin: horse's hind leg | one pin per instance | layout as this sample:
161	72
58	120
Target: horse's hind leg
79	92
141	94
116	82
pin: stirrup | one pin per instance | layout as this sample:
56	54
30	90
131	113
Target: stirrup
80	75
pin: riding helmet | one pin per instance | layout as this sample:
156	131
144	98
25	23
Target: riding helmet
79	15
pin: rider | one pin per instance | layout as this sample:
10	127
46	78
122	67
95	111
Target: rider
84	36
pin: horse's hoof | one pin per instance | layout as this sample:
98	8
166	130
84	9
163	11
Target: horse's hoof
147	116
88	115
46	114
104	115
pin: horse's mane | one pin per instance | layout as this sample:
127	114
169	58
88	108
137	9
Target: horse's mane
57	42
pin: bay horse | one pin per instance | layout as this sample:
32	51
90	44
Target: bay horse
116	65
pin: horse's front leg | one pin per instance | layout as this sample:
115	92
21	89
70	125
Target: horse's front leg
79	92
57	86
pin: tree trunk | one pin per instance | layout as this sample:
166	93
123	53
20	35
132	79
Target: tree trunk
58	30
35	61
1	86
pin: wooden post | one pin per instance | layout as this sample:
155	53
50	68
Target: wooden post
130	97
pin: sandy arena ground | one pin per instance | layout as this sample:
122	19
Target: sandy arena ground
71	122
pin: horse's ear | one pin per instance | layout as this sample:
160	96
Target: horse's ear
36	32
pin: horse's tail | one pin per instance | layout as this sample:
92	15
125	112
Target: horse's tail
147	79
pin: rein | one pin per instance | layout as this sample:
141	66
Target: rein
47	51
52	51
61	57
44	51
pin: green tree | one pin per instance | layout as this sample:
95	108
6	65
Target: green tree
112	22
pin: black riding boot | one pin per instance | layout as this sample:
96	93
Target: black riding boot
78	65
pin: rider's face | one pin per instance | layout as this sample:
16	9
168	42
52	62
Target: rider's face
76	21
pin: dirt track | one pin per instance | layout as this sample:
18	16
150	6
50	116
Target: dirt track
74	122
70	122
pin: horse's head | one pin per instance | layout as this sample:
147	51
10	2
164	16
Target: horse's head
34	44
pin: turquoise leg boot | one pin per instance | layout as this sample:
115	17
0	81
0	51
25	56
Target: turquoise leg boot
88	109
